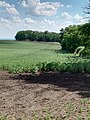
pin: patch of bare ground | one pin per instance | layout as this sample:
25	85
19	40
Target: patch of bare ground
22	95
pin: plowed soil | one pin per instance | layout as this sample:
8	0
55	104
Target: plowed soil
25	94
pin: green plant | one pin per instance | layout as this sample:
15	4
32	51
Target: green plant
2	117
25	57
85	53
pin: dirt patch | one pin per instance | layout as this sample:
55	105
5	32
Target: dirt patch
22	95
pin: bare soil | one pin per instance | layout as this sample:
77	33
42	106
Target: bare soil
22	95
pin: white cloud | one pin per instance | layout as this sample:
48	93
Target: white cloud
73	19
12	10
16	19
4	4
68	6
9	8
42	8
2	20
23	4
29	21
77	17
49	22
4	23
66	15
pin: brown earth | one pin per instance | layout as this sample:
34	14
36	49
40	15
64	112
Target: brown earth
22	95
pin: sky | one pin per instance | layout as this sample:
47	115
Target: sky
39	15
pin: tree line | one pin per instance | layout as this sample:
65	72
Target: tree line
70	37
74	36
37	36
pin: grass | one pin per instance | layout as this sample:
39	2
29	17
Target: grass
18	57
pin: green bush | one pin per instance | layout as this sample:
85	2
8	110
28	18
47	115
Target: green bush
85	53
74	66
74	36
87	66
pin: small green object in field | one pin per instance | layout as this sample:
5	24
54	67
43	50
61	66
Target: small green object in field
79	50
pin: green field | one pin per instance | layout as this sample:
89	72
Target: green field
22	56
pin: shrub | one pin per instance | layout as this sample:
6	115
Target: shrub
85	53
74	36
74	66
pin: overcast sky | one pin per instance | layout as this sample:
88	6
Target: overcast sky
41	15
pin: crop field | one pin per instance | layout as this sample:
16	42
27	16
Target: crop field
15	56
47	95
18	57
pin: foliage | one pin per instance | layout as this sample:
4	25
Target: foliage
25	57
86	53
37	36
18	57
74	66
75	36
